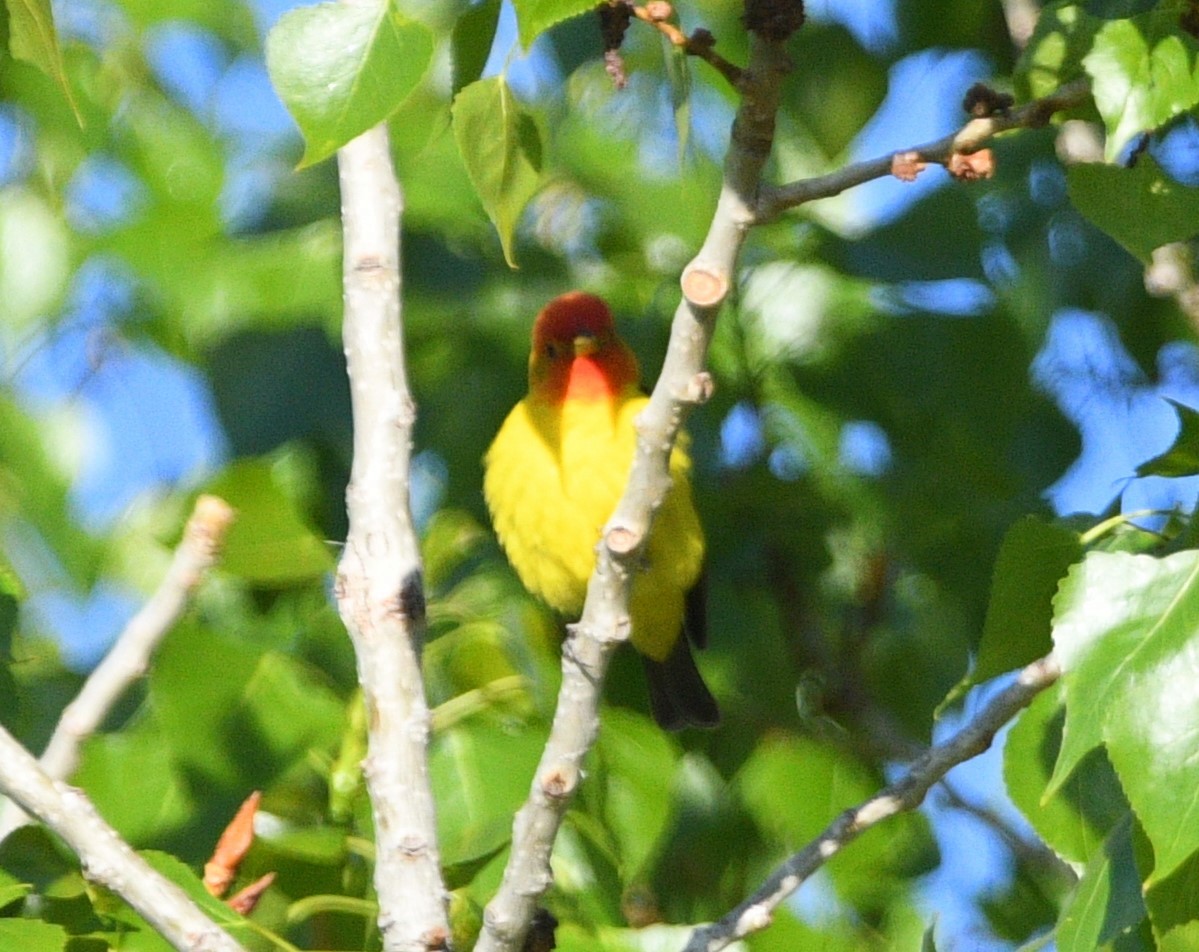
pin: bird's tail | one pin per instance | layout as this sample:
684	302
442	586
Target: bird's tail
678	696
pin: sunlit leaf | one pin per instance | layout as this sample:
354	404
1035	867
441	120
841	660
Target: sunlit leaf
30	935
1143	72
501	147
1125	631
32	37
341	68
1063	36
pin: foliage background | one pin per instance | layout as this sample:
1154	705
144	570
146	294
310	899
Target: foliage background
905	374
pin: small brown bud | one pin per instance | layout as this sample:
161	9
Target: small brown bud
972	167
559	782
244	900
905	166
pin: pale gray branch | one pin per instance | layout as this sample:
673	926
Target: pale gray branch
604	622
380	590
130	654
971	137
902	796
104	856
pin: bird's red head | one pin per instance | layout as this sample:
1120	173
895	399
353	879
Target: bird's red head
577	353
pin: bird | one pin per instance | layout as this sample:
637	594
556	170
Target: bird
553	476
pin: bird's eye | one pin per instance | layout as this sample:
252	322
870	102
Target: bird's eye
551	350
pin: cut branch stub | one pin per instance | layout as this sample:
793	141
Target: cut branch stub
704	288
621	540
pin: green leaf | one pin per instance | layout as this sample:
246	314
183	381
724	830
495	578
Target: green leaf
481	774
11	892
501	148
269	542
1152	744
471	42
341	68
1090	803
1107	904
835	88
33	38
1185	938
534	17
1182	458
1142	207
678	75
145	811
637	764
186	879
1143	73
236	716
1062	37
1171	902
1127	634
1033	557
794	787
30	935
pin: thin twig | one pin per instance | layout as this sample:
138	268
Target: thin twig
104	856
902	796
380	590
971	137
1032	853
604	622
129	656
700	43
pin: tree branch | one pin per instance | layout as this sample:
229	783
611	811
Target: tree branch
605	622
971	137
380	590
129	656
905	795
700	43
104	856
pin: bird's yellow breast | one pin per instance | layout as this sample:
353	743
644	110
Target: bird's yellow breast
553	477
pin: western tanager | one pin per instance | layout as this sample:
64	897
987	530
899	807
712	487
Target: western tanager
554	475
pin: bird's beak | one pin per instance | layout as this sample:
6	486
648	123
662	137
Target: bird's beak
585	345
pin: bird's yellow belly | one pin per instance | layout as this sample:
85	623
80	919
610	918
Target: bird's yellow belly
553	478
